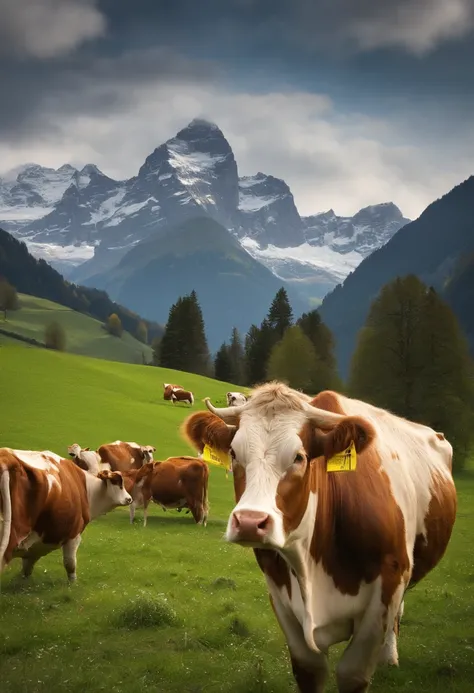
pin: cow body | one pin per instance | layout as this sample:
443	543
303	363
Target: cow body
168	389
182	396
176	483
46	502
338	549
122	456
234	399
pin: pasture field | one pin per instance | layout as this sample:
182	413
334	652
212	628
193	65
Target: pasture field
171	608
84	335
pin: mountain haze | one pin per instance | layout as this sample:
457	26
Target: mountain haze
430	247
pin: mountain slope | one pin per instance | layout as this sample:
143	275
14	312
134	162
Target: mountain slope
84	335
37	278
428	247
459	293
233	288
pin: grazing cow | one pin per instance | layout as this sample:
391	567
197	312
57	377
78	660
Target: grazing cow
168	389
45	504
86	459
122	456
338	548
182	396
235	398
176	483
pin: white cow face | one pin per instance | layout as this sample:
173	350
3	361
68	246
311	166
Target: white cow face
147	453
115	488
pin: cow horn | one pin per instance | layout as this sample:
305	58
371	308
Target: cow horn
229	415
322	417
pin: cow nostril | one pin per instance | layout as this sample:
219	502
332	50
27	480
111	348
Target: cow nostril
264	523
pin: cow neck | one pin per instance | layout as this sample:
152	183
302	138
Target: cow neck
99	502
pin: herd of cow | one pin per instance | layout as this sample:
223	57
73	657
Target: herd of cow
338	542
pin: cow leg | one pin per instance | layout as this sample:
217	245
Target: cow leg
145	510
310	669
69	557
359	661
389	653
28	565
132	512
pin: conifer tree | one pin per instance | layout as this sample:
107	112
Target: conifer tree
236	354
184	345
412	359
258	346
293	360
223	364
325	376
280	315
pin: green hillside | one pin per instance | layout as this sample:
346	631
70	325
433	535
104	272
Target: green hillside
85	335
171	607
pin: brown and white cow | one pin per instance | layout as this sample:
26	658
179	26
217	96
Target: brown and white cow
87	459
176	483
168	389
338	549
122	456
45	504
182	396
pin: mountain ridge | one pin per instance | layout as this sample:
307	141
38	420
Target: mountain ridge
86	213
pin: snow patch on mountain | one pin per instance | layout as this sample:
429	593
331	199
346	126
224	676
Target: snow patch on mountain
71	254
317	258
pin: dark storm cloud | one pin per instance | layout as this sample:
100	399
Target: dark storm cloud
55	53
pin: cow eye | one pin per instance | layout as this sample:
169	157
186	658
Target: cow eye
299	457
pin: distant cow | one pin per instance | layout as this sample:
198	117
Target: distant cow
182	396
168	389
45	504
124	456
176	483
235	398
86	459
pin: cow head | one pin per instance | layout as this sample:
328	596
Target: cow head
235	398
147	453
278	444
114	487
75	450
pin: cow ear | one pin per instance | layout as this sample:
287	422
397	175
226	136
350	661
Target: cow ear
104	474
204	428
352	428
86	449
116	479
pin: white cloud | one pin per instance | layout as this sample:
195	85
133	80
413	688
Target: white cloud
48	28
416	26
328	160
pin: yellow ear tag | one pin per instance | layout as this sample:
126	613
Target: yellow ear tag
345	461
217	457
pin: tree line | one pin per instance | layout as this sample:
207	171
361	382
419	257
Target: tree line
412	357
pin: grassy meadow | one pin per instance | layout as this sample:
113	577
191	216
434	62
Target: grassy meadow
84	335
171	608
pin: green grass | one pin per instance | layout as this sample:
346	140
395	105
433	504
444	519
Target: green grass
84	334
171	607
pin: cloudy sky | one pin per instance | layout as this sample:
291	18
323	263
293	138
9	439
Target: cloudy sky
352	102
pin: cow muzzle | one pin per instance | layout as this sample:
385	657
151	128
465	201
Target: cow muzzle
128	500
249	527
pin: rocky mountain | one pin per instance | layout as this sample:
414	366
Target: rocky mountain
84	222
234	290
431	247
